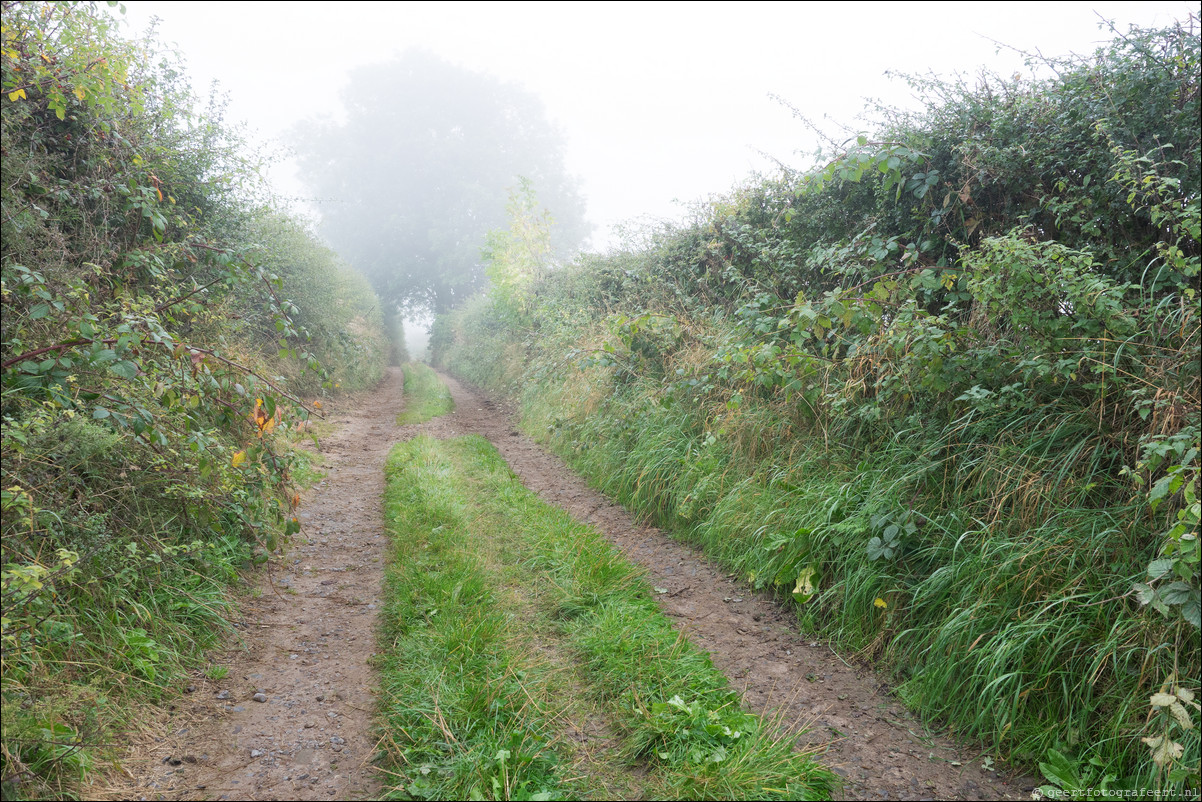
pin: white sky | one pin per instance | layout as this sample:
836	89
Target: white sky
659	103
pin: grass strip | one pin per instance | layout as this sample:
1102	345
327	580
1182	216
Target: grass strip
506	619
462	715
425	395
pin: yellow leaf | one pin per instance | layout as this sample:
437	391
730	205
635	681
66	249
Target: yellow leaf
805	589
79	93
19	94
880	603
238	459
317	405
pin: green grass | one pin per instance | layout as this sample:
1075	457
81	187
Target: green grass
1013	586
426	396
509	625
75	684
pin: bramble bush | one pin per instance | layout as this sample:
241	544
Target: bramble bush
942	391
154	348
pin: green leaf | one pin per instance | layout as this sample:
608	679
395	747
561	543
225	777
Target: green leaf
1158	568
1143	593
1060	770
39	311
1175	593
1160	490
876	549
1191	609
806	584
125	369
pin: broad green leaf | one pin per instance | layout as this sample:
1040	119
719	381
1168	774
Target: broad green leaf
1158	568
1175	593
1143	593
1160	490
1060	770
1191	610
125	369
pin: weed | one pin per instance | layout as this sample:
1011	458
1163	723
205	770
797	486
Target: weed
215	672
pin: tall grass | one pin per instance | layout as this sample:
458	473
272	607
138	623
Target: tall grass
1012	589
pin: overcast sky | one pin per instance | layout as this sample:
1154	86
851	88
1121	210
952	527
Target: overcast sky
660	104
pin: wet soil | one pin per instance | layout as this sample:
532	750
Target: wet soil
861	731
307	641
293	718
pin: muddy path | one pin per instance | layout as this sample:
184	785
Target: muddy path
293	717
882	750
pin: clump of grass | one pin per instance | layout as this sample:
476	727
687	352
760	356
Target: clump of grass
483	567
426	396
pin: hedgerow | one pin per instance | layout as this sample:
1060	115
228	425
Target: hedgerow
154	351
941	392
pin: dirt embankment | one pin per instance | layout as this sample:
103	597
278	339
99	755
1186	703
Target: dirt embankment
293	717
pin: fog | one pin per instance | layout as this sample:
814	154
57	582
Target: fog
622	114
659	104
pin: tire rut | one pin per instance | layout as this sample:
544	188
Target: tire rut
882	750
293	718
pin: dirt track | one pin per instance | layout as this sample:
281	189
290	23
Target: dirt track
309	637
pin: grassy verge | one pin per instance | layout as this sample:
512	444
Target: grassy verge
990	557
509	626
425	395
996	609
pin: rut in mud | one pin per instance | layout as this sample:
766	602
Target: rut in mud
882	750
307	641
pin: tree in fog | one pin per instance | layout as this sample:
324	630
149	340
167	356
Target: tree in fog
421	170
